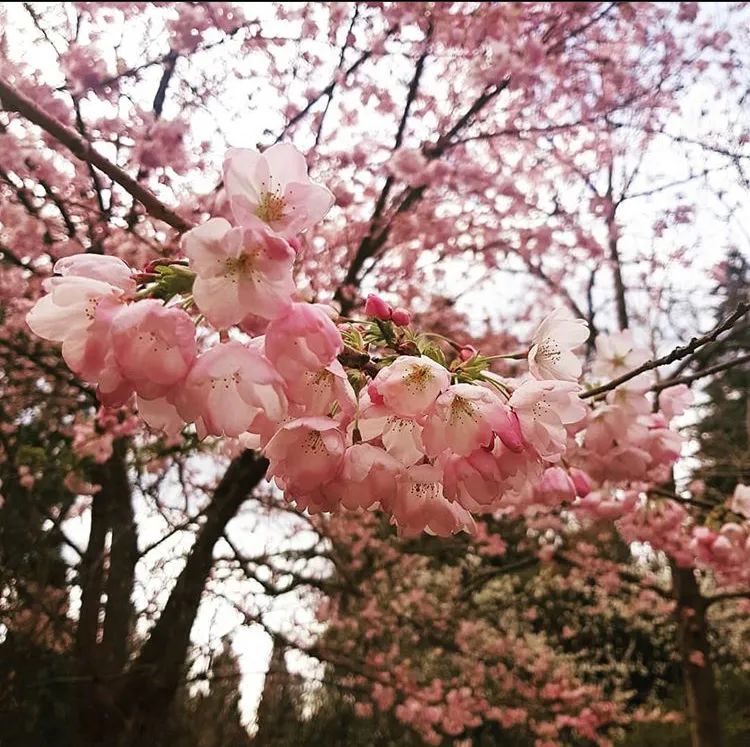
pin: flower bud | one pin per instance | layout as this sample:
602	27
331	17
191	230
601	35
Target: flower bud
401	317
377	307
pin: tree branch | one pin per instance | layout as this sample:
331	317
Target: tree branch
14	100
675	355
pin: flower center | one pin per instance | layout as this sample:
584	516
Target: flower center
271	207
234	267
461	410
418	378
314	444
550	349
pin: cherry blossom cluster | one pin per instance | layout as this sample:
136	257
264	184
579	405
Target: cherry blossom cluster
353	413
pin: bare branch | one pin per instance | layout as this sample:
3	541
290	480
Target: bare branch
677	354
14	100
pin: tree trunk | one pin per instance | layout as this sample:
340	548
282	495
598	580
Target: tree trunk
697	667
149	686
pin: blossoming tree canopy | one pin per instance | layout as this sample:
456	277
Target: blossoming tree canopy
350	412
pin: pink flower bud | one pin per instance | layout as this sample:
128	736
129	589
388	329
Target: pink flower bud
581	481
467	352
508	430
377	307
401	317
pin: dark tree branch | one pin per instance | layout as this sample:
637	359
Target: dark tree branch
14	100
677	354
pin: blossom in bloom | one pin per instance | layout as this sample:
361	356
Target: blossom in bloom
463	419
551	356
161	414
239	271
616	354
410	385
555	487
544	409
153	345
78	308
740	502
400	437
368	476
475	481
630	397
229	387
304	339
419	504
273	188
305	454
323	392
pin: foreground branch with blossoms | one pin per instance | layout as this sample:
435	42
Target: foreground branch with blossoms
350	413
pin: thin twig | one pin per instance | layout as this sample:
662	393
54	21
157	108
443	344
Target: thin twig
14	100
677	354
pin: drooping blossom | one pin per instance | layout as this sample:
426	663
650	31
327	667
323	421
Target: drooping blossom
305	454
78	309
419	504
154	346
304	339
463	419
555	487
551	356
544	409
240	271
410	385
368	477
401	437
326	391
273	188
229	387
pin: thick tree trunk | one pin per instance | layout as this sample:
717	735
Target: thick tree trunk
149	686
697	667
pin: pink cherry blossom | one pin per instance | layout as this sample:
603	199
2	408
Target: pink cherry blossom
475	481
229	387
555	487
273	188
551	356
101	267
154	346
544	408
368	477
240	271
400	437
161	414
305	454
326	391
87	288
419	504
410	385
304	339
675	400
463	420
616	354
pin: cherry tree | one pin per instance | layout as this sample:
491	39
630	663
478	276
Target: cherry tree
319	307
